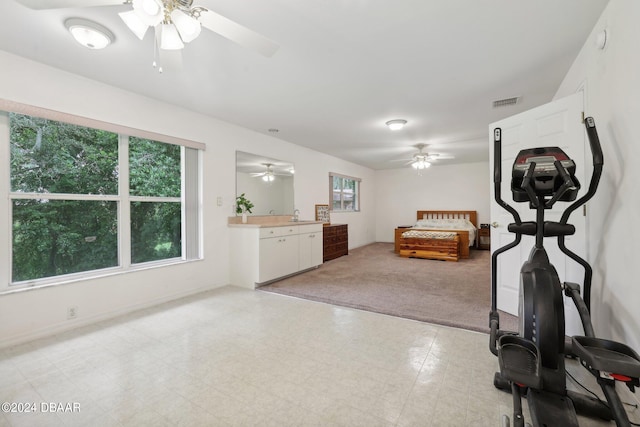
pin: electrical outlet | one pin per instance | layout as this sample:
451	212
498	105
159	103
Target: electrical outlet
72	312
219	201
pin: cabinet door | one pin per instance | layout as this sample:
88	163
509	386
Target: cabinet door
278	257
269	267
310	250
289	255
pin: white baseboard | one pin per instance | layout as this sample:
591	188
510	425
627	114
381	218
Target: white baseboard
69	325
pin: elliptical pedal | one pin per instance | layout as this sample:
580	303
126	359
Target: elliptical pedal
520	361
609	356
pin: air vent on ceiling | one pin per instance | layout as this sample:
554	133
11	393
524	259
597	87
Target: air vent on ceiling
506	102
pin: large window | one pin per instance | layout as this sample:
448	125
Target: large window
84	199
345	193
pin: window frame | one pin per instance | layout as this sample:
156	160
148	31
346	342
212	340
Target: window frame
190	198
356	198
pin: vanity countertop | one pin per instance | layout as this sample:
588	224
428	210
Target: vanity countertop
267	221
273	224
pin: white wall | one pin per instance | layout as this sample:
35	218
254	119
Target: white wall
37	312
401	192
612	83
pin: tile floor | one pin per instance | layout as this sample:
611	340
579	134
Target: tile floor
235	357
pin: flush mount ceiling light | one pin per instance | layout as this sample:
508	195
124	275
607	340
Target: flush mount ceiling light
396	124
88	33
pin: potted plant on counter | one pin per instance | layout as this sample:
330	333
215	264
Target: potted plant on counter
243	206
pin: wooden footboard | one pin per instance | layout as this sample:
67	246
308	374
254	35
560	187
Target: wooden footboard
442	249
463	238
462	235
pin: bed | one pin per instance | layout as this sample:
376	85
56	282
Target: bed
444	235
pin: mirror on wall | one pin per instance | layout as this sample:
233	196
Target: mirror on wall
266	182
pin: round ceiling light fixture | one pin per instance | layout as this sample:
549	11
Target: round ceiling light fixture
396	124
88	33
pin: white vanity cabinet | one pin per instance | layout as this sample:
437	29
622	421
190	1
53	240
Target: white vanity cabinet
262	254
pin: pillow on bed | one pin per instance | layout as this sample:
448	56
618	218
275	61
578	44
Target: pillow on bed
445	223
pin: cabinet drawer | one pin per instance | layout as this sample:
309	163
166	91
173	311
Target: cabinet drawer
329	231
310	228
288	230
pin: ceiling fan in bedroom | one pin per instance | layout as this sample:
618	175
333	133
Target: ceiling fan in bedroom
269	174
422	160
175	22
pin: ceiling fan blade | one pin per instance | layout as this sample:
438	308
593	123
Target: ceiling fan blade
237	33
62	4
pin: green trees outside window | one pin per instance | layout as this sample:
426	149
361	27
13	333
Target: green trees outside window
66	204
154	171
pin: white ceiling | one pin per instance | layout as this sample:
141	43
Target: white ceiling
343	69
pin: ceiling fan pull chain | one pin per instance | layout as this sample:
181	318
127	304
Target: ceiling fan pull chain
156	56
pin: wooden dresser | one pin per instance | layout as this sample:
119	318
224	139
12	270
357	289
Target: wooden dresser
335	241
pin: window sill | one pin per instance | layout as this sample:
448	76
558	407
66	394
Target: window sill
81	277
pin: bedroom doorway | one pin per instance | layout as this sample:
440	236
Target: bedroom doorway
558	123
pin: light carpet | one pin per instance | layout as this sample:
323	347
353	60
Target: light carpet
374	278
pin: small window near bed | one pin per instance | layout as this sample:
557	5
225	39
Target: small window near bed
344	192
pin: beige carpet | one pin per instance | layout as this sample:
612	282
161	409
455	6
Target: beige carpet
374	278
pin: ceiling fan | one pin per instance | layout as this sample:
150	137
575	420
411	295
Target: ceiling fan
175	22
269	174
422	160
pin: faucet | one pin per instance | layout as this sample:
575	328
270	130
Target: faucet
296	214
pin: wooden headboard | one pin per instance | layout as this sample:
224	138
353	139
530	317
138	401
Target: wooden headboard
470	215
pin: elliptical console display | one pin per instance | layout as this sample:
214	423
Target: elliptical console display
546	178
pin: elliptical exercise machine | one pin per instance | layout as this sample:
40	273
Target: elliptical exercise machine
532	361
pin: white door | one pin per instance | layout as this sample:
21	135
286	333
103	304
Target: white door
557	124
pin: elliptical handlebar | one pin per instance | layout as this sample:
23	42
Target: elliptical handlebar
598	162
594	141
527	185
567	184
497	175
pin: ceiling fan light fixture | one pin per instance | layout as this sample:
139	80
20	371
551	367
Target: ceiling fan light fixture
135	24
89	34
420	164
268	177
169	37
188	26
396	124
151	12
